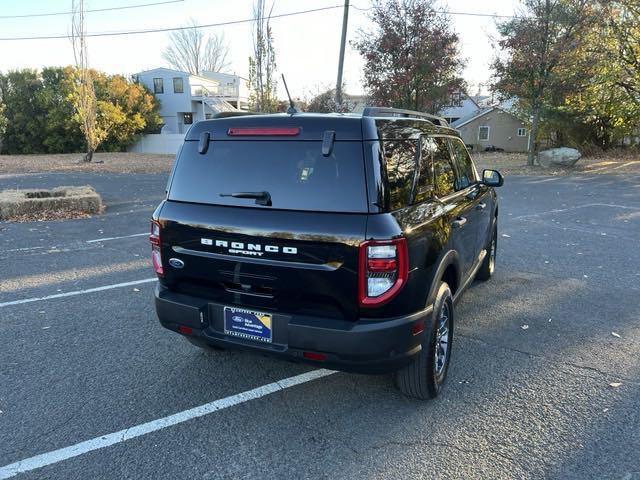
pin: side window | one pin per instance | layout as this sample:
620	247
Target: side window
400	158
443	168
463	163
424	189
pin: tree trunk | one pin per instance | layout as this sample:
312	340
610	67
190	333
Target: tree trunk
533	135
88	156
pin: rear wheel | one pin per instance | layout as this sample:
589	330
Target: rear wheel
424	376
489	263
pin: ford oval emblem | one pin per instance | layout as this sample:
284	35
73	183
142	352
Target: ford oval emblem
176	263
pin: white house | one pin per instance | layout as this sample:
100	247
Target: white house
184	98
234	89
460	105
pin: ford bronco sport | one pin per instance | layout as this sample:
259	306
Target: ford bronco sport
339	240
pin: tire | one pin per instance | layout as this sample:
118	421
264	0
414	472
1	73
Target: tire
424	376
485	272
203	345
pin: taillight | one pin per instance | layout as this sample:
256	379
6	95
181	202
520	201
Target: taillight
154	238
383	271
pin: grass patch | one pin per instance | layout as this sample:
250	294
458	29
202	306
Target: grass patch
72	162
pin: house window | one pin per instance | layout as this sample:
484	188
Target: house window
188	118
178	85
158	85
483	133
522	132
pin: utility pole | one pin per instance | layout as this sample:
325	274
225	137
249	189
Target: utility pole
345	20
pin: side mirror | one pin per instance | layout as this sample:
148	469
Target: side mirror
492	178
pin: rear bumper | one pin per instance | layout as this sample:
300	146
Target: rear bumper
366	346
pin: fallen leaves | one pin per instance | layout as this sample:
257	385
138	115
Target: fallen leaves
615	384
615	334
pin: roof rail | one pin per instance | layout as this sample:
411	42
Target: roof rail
398	112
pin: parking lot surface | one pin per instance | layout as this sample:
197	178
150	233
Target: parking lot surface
544	381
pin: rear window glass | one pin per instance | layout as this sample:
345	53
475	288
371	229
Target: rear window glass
294	173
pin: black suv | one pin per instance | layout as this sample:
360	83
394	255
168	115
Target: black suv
339	240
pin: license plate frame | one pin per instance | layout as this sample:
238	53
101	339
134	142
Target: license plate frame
248	324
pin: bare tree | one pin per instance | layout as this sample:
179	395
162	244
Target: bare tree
262	65
84	97
191	50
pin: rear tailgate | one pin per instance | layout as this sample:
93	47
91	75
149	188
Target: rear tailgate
296	253
290	262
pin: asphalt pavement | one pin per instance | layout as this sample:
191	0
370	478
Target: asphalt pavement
544	381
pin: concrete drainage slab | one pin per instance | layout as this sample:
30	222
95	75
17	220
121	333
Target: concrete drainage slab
57	202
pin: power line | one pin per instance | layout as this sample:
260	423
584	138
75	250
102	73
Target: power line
220	24
169	29
108	9
449	12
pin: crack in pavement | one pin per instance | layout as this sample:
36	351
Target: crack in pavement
554	357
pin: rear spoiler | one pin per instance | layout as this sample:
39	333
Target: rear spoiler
234	114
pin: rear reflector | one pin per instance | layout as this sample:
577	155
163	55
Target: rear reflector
417	327
185	330
320	357
260	131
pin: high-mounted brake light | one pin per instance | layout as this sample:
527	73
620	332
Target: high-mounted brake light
383	269
156	256
262	131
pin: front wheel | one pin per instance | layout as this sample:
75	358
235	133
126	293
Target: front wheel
485	272
424	376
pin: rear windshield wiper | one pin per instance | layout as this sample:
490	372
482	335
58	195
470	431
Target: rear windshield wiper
262	198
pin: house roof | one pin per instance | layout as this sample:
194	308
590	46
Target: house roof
507	106
470	118
223	74
199	77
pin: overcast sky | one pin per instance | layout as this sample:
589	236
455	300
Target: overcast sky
306	45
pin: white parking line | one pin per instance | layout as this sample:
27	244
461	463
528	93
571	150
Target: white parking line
23	249
76	292
116	238
59	247
55	456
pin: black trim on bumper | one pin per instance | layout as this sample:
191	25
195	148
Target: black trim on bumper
367	346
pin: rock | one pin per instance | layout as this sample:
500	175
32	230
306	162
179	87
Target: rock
559	157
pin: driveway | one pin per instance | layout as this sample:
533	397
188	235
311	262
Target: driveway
545	379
